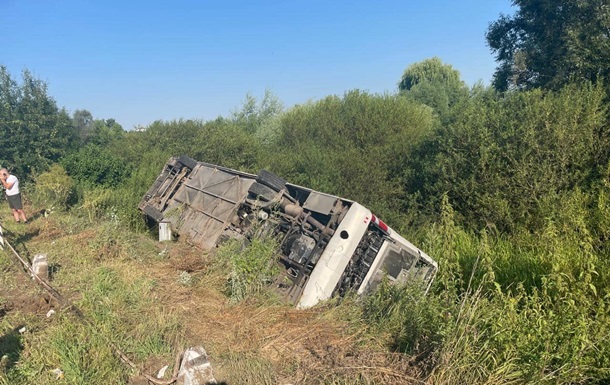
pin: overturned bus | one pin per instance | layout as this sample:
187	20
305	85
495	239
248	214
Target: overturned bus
328	245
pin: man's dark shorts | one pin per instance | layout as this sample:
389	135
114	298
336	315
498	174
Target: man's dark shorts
14	201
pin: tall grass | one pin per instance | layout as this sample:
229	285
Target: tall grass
250	267
541	319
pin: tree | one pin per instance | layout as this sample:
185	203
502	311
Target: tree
434	84
104	132
356	146
34	132
96	166
506	160
83	123
548	43
260	117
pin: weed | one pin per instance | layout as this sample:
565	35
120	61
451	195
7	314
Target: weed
251	268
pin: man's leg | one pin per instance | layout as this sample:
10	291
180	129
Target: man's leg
16	214
22	213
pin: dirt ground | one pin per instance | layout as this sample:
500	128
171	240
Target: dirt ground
22	293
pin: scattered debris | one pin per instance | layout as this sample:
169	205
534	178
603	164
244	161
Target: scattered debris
161	372
50	313
40	266
185	278
59	374
22	330
195	369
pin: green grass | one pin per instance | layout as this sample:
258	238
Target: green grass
251	268
95	270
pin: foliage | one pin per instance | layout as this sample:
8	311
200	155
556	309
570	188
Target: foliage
550	43
106	132
96	131
127	195
357	146
97	203
505	160
35	132
260	119
251	268
510	194
220	141
83	123
435	84
54	189
484	322
95	166
554	335
411	320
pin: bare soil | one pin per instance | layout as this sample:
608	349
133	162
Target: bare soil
22	294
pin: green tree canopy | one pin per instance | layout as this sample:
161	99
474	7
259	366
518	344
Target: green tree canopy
34	132
547	43
83	123
96	166
435	84
355	146
105	132
259	117
506	159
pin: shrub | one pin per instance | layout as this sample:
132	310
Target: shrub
504	157
54	189
96	166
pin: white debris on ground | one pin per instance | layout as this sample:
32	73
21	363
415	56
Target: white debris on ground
161	372
40	266
195	369
59	374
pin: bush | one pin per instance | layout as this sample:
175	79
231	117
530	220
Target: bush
54	189
505	157
95	166
356	146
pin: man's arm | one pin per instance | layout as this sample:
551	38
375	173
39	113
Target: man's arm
5	183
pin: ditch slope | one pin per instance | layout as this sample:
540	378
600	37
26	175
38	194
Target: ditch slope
257	341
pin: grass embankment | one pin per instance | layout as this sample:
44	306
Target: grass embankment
526	308
153	300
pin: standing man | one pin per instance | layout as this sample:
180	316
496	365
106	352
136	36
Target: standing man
11	184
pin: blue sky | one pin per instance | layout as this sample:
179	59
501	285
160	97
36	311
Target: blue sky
140	61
